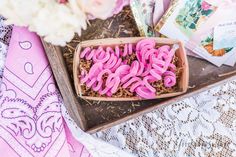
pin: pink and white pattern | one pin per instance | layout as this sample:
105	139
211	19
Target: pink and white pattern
31	122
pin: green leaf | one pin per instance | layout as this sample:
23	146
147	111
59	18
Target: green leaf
196	20
190	19
192	26
228	49
206	12
209	39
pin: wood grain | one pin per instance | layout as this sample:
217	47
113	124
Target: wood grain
62	78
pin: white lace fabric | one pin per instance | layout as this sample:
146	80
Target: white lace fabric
5	35
203	125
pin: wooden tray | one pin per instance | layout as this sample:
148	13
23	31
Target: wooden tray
180	53
93	116
87	115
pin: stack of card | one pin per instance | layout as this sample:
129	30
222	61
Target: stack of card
147	13
207	27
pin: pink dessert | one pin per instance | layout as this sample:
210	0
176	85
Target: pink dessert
110	70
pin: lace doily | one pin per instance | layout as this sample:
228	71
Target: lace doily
203	125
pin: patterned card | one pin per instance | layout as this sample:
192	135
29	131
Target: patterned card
193	22
147	13
225	35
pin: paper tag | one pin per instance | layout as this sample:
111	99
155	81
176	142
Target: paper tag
225	35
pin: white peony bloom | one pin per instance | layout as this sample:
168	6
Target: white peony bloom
98	8
56	22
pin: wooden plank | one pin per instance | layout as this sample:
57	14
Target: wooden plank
62	78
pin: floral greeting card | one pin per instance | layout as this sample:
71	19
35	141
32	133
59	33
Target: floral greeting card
191	16
192	21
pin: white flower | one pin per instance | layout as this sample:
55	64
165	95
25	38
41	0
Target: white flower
98	8
56	22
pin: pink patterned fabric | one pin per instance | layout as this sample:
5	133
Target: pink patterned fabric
31	122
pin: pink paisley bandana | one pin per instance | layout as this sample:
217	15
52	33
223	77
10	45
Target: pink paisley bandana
31	122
